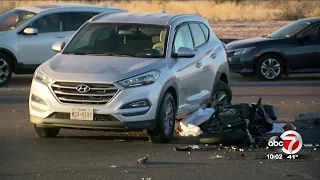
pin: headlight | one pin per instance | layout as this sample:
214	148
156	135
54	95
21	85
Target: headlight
242	51
143	79
41	76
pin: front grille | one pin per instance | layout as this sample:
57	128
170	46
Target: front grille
96	117
98	94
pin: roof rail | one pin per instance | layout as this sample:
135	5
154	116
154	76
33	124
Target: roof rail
98	16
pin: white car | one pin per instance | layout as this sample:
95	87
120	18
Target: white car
130	71
27	34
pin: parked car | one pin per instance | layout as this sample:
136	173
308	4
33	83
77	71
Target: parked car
130	72
27	34
294	48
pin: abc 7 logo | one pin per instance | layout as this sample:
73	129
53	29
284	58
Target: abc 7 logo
290	141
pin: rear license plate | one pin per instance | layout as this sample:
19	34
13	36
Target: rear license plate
82	114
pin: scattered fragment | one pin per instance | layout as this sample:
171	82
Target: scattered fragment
113	166
195	147
143	161
126	171
206	145
186	148
119	140
182	148
282	102
189	152
13	110
234	147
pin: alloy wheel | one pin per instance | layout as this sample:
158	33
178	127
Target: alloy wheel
4	70
168	118
271	68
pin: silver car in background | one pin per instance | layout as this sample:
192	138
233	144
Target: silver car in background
27	34
130	71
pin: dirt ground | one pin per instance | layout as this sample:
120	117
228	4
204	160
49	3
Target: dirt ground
245	29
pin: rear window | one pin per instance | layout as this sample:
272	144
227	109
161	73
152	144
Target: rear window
198	35
205	30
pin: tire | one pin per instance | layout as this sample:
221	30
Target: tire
222	89
269	67
5	69
165	123
46	132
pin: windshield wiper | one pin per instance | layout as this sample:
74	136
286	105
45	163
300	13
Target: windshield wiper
100	54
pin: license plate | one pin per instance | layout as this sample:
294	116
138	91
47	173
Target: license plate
82	114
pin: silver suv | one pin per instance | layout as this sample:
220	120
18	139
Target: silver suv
27	34
130	72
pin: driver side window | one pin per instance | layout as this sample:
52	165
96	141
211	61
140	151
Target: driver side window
314	31
49	23
183	39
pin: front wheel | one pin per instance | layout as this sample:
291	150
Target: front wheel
165	121
269	68
46	132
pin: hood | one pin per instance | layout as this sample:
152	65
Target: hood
103	69
247	42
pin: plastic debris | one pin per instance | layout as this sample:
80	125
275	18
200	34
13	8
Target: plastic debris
113	166
234	147
119	140
186	148
189	126
143	161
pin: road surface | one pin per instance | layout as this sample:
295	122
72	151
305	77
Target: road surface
108	155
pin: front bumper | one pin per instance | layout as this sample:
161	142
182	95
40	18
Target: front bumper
52	112
242	64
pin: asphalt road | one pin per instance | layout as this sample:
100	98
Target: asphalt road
107	155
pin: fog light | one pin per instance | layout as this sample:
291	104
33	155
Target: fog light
37	99
136	104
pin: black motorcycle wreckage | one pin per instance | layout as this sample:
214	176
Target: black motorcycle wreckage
238	120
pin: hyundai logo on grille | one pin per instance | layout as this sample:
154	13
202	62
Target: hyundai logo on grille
83	88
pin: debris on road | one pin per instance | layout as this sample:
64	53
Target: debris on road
190	125
113	166
119	140
143	161
186	148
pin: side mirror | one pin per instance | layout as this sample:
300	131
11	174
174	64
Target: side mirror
185	52
58	46
30	31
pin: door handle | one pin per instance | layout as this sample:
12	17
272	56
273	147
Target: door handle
199	64
214	55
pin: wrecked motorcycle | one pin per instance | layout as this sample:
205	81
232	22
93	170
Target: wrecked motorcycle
238	122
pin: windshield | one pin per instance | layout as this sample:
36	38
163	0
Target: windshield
13	18
109	39
289	30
